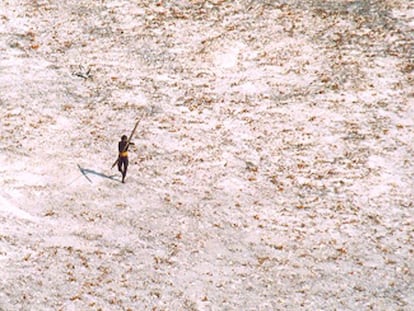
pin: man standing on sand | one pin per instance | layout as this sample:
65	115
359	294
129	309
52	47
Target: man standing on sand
123	156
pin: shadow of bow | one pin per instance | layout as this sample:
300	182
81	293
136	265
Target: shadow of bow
86	171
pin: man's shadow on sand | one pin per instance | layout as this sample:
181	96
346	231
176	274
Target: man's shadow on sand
86	171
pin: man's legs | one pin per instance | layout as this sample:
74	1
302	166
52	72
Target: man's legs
125	169
123	162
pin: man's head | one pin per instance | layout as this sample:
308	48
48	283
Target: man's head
124	138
